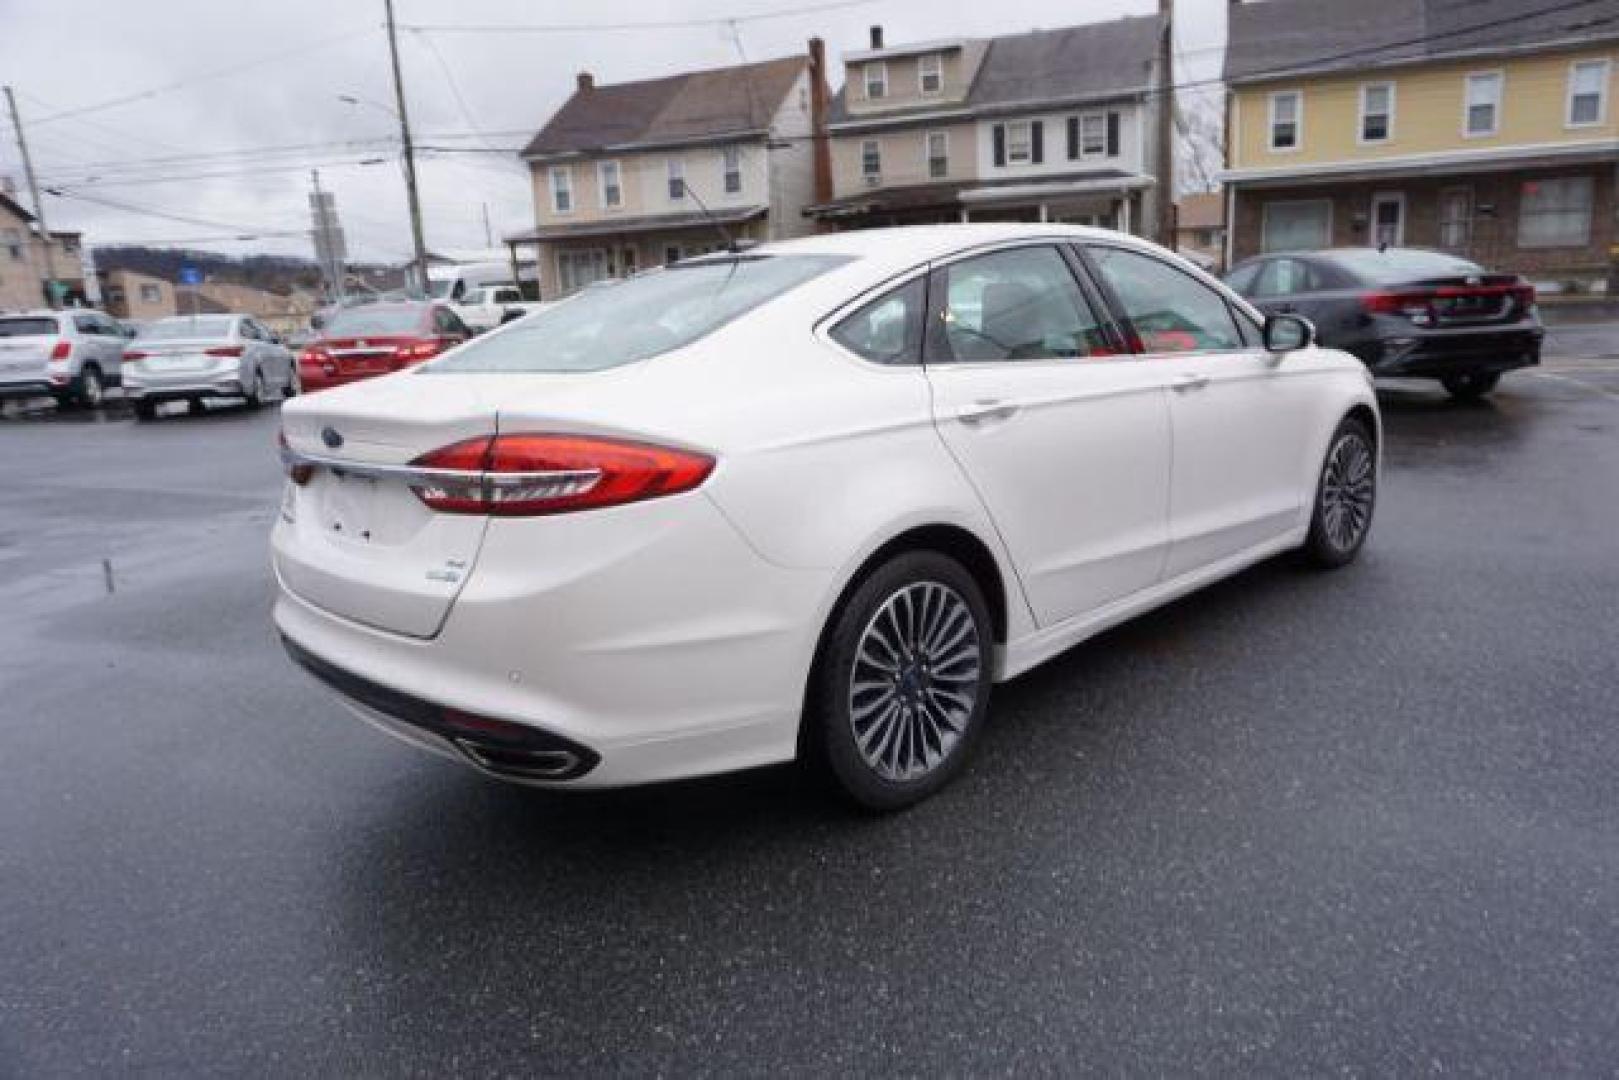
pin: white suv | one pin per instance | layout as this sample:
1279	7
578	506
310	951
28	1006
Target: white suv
70	355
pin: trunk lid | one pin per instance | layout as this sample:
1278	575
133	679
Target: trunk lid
1465	300
363	545
185	355
370	354
24	356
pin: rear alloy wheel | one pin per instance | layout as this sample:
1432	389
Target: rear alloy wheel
902	686
1472	386
91	392
1345	498
256	393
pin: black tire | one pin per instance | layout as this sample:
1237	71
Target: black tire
90	390
254	397
1471	386
291	389
831	716
1345	496
146	410
195	407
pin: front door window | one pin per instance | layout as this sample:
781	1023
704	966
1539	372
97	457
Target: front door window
1388	220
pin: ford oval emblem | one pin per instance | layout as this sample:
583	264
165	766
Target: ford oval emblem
331	437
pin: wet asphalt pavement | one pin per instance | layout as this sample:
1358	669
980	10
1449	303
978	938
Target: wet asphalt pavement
1363	821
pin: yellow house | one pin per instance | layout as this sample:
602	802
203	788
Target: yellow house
1486	129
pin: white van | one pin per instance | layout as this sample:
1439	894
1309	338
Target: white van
453	281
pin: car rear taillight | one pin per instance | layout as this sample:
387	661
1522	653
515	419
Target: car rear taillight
224	350
1410	304
298	472
317	357
522	475
418	350
134	354
62	351
1524	295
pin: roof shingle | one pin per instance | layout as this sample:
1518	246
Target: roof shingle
676	108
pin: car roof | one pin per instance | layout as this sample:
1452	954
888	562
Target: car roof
918	243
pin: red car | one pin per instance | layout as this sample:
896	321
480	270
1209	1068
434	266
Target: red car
375	339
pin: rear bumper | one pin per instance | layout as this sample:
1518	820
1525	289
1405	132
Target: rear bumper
650	637
145	386
30	388
1438	353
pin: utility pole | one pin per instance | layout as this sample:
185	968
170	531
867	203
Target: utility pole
488	235
39	207
1166	126
419	249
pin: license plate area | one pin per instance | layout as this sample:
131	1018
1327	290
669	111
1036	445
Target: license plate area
366	511
175	363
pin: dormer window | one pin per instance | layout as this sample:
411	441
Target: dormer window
930	73
876	80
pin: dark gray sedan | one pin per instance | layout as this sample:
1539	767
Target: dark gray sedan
1404	312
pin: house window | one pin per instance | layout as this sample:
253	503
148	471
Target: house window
876	80
151	294
1483	104
938	147
732	158
1456	218
1555	213
562	189
671	255
1285	110
13	242
1376	112
1296	225
677	179
1093	135
611	189
1019	143
871	160
1587	92
576	269
930	73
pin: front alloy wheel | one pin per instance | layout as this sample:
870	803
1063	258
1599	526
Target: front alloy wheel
902	686
1346	497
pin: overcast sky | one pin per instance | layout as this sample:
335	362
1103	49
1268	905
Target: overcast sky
255	86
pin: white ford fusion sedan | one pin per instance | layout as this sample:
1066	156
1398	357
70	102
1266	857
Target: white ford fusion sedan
808	500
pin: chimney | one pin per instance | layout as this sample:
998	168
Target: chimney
586	80
820	99
876	37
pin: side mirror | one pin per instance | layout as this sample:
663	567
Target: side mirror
1285	333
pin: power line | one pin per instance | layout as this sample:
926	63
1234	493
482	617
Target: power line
258	170
206	76
658	24
147	211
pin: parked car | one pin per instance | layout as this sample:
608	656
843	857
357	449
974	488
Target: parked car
72	356
376	339
192	358
489	306
722	516
1404	311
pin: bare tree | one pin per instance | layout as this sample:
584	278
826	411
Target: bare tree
1199	144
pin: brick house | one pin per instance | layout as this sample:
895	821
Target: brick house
636	174
1483	128
1200	228
23	261
1053	125
131	295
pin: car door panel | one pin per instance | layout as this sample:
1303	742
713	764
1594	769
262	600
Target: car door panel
1241	418
1069	454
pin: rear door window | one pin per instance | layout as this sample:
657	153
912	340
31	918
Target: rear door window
1287	277
889	329
1022	303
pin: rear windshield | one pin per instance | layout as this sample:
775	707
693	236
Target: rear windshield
636	319
27	327
1403	264
186	328
376	320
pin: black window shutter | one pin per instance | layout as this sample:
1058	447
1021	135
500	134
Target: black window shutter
1037	132
1000	144
1112	134
1073	138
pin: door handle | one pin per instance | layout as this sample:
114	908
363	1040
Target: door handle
986	412
1185	384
